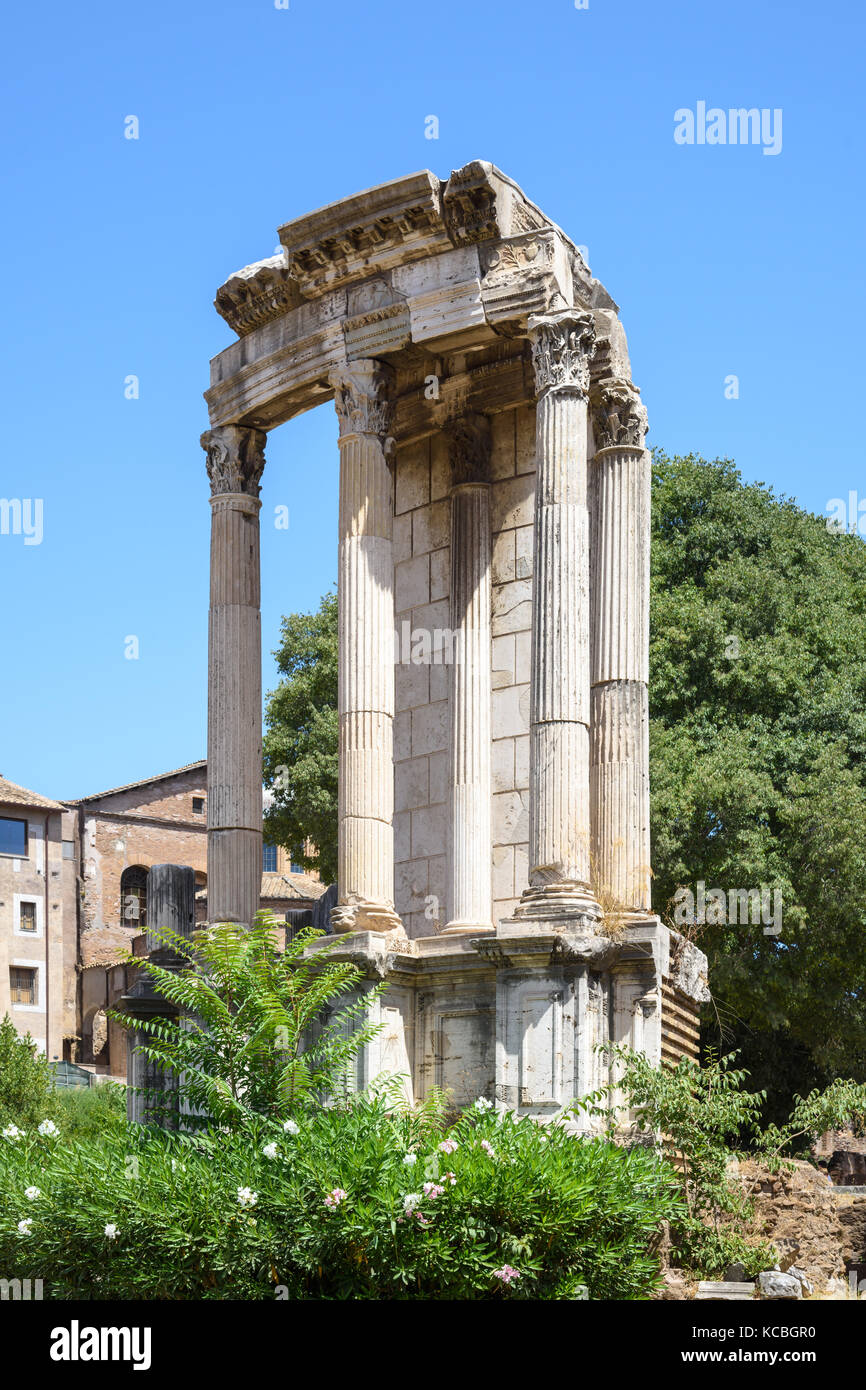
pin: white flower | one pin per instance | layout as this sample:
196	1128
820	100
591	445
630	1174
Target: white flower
246	1197
290	1127
48	1127
270	1151
410	1159
481	1104
111	1231
24	1227
13	1132
410	1202
32	1193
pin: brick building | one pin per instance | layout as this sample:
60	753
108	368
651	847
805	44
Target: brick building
73	898
38	916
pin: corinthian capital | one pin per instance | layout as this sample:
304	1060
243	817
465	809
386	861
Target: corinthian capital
235	459
618	414
363	393
562	349
469	444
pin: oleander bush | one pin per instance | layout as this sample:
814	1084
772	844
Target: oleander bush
363	1200
27	1093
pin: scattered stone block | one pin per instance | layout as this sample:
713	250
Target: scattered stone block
774	1284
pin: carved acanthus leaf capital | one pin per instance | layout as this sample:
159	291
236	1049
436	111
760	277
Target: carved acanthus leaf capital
618	415
363	396
235	459
469	444
562	349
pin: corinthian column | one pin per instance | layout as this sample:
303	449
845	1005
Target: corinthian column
559	817
471	906
235	461
620	649
366	659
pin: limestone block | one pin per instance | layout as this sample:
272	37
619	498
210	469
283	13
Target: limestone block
447	314
524	541
431	527
402	735
444	272
412	583
439	677
502	664
524	439
522	657
402	538
511	711
521	763
502	446
411	685
412	478
512	607
430	728
510	818
440	468
440	573
503	872
410	885
438	777
437	887
503	765
511	503
411	784
773	1284
402	835
502	561
429	831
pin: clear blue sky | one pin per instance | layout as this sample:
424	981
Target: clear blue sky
724	260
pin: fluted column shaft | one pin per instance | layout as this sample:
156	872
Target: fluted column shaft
235	461
365	872
619	775
559	815
470	860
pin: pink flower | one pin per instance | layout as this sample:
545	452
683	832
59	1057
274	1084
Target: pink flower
433	1190
448	1146
507	1274
335	1197
422	1220
449	1177
488	1147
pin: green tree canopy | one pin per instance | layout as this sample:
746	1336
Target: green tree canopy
758	733
299	754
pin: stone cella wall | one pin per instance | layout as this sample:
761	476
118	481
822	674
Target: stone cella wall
422	583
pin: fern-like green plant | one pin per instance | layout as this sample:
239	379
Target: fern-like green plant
256	1030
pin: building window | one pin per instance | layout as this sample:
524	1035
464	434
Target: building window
22	984
297	869
198	805
133	897
27	916
269	858
13	837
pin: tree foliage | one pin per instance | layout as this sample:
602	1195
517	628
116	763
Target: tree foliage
299	752
758	734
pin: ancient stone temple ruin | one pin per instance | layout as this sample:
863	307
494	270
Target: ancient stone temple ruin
494	852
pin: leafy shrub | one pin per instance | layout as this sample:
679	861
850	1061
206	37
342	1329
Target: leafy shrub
492	1207
27	1092
89	1112
251	1038
703	1114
